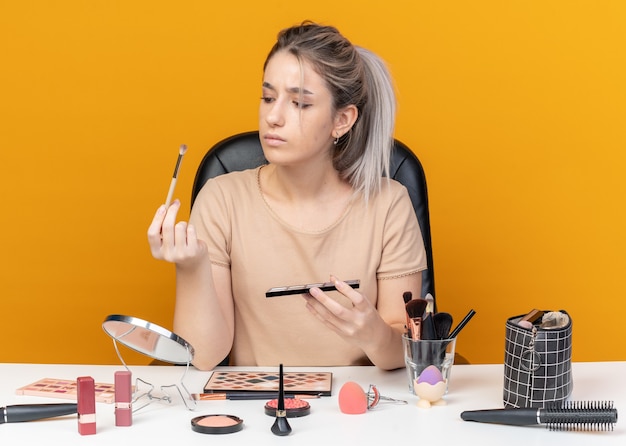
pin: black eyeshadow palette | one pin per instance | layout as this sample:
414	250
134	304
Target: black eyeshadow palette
300	289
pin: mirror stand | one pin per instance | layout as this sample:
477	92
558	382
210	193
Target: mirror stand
163	345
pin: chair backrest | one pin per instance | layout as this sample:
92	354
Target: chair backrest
244	151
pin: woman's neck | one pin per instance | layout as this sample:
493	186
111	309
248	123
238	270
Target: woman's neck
308	199
301	184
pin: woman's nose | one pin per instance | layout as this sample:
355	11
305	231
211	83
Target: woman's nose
274	114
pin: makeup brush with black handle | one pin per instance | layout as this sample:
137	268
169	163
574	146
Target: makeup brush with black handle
443	324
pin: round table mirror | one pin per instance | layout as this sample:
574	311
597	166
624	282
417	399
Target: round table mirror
148	338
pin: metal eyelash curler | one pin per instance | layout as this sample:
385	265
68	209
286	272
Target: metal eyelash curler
374	398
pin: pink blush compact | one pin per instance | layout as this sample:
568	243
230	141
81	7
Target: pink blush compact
294	407
216	424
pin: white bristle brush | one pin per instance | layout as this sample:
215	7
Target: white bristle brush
179	160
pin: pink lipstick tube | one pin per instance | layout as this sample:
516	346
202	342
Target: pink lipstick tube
86	398
123	399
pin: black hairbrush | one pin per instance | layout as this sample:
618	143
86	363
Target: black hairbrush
569	416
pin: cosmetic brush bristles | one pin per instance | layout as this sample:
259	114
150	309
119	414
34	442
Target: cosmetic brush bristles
414	315
179	160
407	296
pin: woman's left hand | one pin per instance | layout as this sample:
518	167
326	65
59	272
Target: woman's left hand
360	323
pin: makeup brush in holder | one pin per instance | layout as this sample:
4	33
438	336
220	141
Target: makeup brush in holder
281	426
414	315
443	324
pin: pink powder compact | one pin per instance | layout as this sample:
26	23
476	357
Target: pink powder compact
216	424
294	407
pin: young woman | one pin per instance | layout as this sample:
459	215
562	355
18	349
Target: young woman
320	210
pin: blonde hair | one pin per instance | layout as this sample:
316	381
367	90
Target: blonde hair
354	76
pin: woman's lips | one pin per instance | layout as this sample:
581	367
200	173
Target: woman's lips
273	140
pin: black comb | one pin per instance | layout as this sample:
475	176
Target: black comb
568	416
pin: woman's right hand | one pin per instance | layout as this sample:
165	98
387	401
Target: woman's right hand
174	242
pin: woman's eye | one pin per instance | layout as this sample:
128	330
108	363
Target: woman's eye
267	99
301	104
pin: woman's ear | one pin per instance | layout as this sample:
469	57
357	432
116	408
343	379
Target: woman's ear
344	120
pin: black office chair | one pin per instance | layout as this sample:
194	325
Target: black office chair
244	151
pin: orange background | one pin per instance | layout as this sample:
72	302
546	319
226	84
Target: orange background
516	109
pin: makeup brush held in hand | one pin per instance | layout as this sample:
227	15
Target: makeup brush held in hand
170	193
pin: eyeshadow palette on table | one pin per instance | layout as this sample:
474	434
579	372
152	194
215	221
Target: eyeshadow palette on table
66	389
304	383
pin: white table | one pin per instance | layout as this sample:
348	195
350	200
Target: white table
471	387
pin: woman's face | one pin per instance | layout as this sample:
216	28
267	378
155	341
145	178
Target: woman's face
296	114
